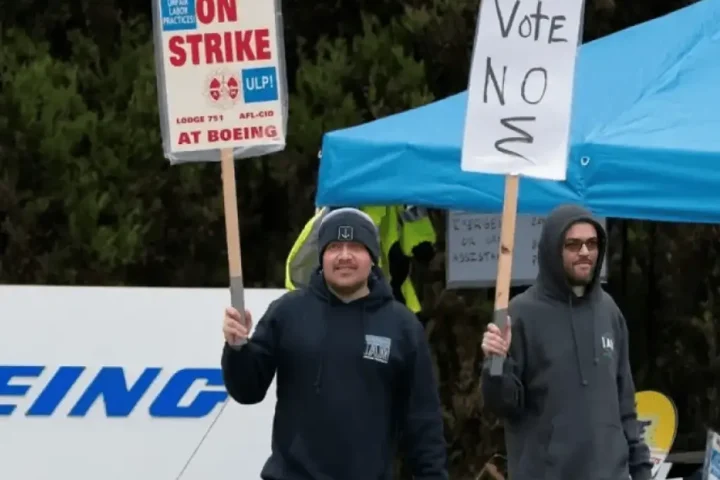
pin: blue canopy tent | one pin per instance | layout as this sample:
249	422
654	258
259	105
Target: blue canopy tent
645	136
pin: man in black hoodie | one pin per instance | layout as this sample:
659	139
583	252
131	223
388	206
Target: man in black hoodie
354	372
566	391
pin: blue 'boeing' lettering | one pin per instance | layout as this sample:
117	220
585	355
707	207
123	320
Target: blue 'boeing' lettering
110	384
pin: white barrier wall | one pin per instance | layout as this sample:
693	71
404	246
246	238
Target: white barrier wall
122	383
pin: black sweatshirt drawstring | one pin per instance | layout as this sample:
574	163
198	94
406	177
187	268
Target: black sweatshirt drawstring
583	380
322	356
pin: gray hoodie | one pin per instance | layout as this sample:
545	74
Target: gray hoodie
567	393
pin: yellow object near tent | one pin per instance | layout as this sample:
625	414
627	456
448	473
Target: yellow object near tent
658	417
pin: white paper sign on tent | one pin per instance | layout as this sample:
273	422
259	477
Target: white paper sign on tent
521	87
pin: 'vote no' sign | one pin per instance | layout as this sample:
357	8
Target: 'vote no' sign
521	84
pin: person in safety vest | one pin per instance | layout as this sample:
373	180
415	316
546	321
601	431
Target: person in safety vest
416	240
404	233
352	365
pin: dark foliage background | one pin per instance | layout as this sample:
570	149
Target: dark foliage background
87	198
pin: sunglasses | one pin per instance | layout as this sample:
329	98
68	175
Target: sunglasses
575	244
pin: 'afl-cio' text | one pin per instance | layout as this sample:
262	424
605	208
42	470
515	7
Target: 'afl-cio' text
251	115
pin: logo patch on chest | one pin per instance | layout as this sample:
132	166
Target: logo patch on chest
377	348
608	344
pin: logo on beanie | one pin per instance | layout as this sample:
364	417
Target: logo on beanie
345	233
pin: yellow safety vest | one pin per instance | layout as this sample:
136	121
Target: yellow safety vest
407	226
414	228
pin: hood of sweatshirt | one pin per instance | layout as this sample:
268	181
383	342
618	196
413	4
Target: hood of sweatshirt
552	279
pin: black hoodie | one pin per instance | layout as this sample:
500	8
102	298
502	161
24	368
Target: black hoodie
567	392
353	379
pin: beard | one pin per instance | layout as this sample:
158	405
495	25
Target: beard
580	280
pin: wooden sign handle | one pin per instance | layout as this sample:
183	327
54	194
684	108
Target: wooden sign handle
505	257
232	232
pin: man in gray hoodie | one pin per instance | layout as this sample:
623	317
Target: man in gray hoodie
566	391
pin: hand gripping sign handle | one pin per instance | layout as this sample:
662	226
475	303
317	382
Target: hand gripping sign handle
232	232
505	257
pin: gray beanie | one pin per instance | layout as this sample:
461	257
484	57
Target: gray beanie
349	225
